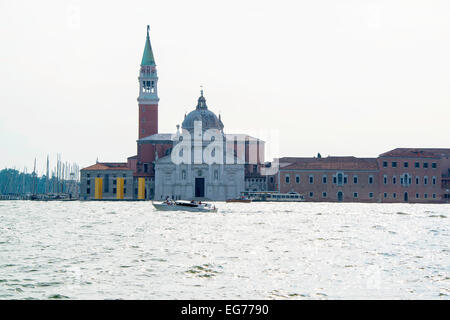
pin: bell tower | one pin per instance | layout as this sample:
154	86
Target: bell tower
148	92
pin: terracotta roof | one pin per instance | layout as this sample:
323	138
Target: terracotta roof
107	166
330	163
417	152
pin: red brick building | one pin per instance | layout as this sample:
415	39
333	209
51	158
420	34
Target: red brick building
414	175
399	175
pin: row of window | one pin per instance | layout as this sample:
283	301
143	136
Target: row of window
338	179
394	164
371	195
341	179
325	194
425	195
257	180
407	180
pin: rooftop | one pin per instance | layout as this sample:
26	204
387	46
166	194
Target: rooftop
107	166
329	163
418	153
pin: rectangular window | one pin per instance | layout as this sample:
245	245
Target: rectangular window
355	180
311	179
311	194
425	165
385	195
425	180
433	180
345	180
417	164
370	179
355	194
417	180
324	194
88	182
334	179
394	180
394	195
434	165
324	179
114	190
385	164
297	179
124	190
417	196
434	195
425	195
88	190
394	164
287	179
385	179
370	194
405	164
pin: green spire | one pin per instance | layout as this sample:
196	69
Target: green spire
147	57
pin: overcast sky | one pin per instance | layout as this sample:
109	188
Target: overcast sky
336	77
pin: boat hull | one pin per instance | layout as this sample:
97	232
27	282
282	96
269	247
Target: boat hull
166	207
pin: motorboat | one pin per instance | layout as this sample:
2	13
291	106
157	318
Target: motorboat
193	206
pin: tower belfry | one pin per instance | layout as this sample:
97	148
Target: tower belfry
148	92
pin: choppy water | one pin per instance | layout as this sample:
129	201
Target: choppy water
126	250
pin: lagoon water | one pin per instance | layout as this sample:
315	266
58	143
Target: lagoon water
127	250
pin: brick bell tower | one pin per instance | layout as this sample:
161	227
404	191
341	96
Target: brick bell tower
148	92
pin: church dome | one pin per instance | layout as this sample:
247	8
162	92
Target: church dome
201	113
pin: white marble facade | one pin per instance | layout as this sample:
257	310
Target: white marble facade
202	181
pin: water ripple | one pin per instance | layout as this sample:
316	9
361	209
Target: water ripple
126	250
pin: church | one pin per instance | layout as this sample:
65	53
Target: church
200	161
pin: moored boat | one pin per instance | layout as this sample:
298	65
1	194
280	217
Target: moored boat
272	196
184	206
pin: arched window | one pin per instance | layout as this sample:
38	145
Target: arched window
183	175
340	178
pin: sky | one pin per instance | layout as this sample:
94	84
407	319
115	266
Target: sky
336	77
